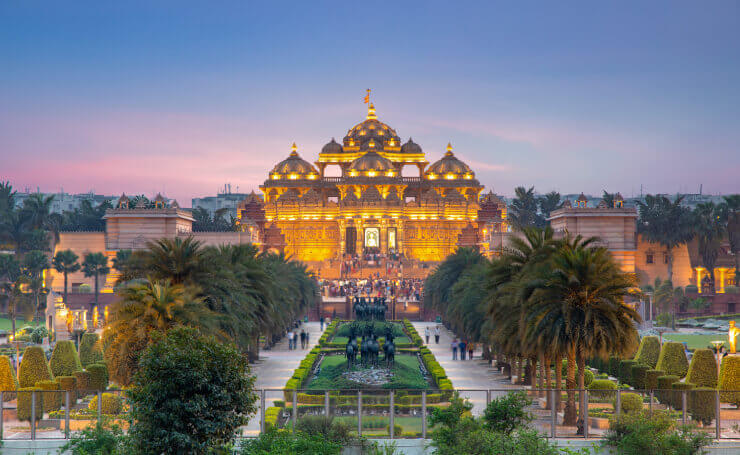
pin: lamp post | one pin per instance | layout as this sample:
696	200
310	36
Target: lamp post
717	345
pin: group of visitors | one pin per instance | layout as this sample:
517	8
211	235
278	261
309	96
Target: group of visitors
463	346
294	337
410	289
427	334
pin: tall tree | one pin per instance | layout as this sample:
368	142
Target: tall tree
38	208
11	279
7	198
548	203
94	265
34	264
710	226
523	209
733	230
66	262
666	223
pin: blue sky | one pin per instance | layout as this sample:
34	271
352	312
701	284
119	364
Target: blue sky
182	97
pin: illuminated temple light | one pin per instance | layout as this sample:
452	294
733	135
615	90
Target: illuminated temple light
293	176
450	176
371	173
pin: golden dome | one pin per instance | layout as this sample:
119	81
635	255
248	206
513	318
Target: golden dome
449	167
332	147
295	167
374	130
411	147
372	162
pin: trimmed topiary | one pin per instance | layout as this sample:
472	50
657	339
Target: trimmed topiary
614	366
638	376
52	395
90	351
729	379
651	379
33	368
703	369
25	397
98	376
112	404
672	360
625	371
68	383
588	377
664	389
630	402
64	360
8	381
701	403
602	389
83	382
677	395
649	351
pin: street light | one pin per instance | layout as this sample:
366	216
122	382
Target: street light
717	345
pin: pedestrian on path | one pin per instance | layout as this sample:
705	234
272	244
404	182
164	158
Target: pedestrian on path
436	334
307	339
303	339
454	349
321	320
426	334
290	340
462	350
471	349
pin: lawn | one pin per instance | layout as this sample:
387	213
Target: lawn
406	375
19	324
695	341
409	424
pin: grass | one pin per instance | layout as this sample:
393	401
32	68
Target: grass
399	339
19	324
406	375
694	341
409	424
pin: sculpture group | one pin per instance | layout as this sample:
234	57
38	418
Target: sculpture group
369	347
370	310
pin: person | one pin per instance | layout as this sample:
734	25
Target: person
471	349
321	320
303	339
454	349
426	334
306	339
436	334
462	350
290	340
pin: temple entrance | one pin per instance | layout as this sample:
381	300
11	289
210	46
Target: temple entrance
372	238
350	240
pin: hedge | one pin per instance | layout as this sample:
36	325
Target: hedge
639	373
68	383
630	402
677	395
729	379
701	404
90	351
33	367
112	404
651	379
703	369
672	359
602	389
83	382
98	376
64	359
664	387
271	416
52	396
649	351
614	366
8	380
25	395
625	371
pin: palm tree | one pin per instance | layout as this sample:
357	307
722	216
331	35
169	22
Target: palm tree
710	225
94	265
66	262
666	223
548	203
523	210
14	229
733	230
34	264
175	259
11	278
38	207
143	310
7	198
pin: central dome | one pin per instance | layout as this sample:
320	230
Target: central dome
374	130
372	161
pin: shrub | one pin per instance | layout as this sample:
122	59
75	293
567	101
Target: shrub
672	359
642	433
729	379
52	400
325	427
38	334
664	320
701	404
98	439
677	395
68	383
83	381
588	377
614	366
33	367
630	402
64	360
602	389
279	442
25	397
8	381
98	376
649	351
651	379
506	413
625	371
664	388
397	430
112	404
703	369
90	351
638	376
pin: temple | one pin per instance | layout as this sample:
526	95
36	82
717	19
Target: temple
371	206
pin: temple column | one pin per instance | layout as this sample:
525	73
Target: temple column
721	279
698	279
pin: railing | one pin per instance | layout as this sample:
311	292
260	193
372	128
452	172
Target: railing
373	413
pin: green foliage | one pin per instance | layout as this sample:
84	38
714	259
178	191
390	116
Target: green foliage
664	320
25	398
8	381
279	442
614	366
506	413
625	371
68	383
190	394
98	376
97	440
630	402
602	389
112	404
328	428
649	351
83	381
676	398
639	372
729	379
664	388
702	404
64	360
656	433
52	400
651	379
406	375
673	360
703	369
38	334
90	351
33	368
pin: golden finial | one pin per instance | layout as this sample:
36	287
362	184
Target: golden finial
371	112
293	149
449	147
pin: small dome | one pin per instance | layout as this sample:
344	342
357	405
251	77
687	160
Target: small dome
411	147
332	147
449	165
296	165
372	161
